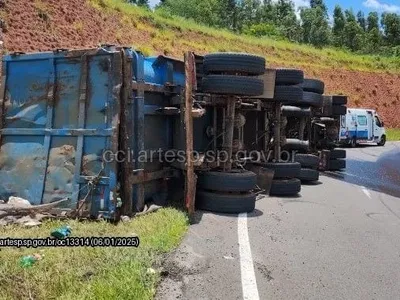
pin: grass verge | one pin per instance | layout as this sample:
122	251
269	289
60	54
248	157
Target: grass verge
206	39
393	134
92	273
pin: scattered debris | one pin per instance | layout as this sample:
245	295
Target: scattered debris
151	271
28	221
18	202
7	220
125	219
18	208
61	233
229	257
20	211
29	260
149	209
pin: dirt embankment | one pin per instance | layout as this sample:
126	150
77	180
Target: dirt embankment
42	25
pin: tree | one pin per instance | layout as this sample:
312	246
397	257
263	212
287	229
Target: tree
140	2
374	41
249	13
353	34
315	26
372	21
229	14
269	12
361	20
391	28
338	26
201	11
320	4
350	17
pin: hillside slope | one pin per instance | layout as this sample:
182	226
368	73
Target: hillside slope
41	25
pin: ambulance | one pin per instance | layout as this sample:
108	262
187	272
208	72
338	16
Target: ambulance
361	126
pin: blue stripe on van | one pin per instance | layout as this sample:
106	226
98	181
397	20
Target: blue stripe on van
360	135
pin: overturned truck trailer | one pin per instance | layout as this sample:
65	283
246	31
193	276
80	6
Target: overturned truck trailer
85	125
108	130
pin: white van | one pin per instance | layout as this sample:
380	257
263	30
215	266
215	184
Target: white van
361	126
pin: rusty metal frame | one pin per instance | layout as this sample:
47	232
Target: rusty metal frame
229	121
81	124
153	88
49	124
190	176
151	176
277	132
3	74
125	136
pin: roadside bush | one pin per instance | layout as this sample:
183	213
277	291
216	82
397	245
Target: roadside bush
262	29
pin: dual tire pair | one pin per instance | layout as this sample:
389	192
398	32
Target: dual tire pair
309	167
233	74
285	182
337	160
226	192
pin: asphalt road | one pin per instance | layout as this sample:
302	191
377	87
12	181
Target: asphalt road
339	240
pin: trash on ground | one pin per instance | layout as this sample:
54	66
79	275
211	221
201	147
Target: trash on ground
125	219
18	202
62	232
29	260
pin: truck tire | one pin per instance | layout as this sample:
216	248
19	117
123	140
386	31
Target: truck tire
289	77
233	85
337	154
287	187
295	144
236	181
225	202
308	175
307	160
288	94
284	170
313	86
339	100
294	111
353	142
337	164
311	99
339	110
234	62
383	141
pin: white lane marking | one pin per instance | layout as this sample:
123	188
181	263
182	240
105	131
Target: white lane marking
249	283
366	192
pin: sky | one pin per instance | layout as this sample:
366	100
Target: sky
365	5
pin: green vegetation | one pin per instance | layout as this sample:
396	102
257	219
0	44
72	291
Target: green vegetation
356	33
92	273
393	134
208	39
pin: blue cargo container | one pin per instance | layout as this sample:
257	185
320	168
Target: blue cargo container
149	87
62	111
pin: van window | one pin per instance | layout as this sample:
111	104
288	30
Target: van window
343	121
362	120
378	122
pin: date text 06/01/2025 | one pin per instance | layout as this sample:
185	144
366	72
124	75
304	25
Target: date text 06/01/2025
71	242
